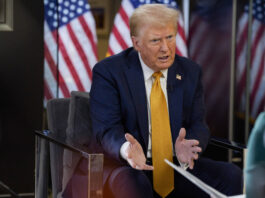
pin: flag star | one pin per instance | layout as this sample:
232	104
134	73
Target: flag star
55	24
66	3
64	19
52	5
59	8
72	7
45	2
50	13
73	1
79	10
55	16
65	11
81	3
173	3
60	1
71	14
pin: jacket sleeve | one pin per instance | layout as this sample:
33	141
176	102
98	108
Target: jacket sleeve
105	112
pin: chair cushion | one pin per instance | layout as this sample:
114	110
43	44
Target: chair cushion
79	123
57	114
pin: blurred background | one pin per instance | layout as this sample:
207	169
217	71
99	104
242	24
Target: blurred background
49	47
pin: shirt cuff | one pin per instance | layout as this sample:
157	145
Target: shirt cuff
123	150
183	165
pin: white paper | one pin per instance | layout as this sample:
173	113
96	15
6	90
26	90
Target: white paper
205	187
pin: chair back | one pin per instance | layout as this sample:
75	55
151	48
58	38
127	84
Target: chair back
57	115
69	121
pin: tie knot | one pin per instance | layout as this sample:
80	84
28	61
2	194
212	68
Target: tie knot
157	75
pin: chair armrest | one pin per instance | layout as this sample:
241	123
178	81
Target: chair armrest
94	162
7	189
48	135
224	143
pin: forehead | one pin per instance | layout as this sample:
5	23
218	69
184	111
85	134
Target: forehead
157	30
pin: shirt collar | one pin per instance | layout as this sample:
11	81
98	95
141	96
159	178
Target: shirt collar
148	72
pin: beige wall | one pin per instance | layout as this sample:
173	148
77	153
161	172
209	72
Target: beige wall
110	9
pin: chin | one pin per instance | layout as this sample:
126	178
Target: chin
165	66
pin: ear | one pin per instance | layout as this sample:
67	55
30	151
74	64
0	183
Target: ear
136	43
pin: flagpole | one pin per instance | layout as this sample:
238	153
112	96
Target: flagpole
232	78
57	51
248	69
186	15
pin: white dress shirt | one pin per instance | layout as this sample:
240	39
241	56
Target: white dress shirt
148	79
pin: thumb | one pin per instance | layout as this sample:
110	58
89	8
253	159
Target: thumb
130	138
182	134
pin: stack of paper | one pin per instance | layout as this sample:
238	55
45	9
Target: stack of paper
205	187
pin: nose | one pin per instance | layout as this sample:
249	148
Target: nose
164	45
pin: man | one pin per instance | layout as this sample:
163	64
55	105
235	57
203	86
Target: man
135	133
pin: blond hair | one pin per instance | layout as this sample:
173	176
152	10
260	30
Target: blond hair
152	14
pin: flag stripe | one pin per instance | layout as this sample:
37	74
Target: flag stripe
70	65
89	35
124	17
54	70
80	51
256	36
119	37
258	80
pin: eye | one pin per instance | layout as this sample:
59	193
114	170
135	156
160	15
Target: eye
155	41
169	37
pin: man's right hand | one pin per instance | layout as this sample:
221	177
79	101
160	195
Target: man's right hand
135	155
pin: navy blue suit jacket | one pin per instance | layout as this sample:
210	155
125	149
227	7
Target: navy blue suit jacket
118	104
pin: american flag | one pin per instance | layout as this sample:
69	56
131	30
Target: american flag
70	49
257	61
209	44
120	36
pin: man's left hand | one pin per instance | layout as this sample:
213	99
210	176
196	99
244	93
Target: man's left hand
186	150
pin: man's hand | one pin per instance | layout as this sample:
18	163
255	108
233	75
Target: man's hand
186	150
135	154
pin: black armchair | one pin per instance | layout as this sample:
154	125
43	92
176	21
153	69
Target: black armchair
64	145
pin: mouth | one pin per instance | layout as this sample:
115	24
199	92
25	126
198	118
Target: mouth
163	58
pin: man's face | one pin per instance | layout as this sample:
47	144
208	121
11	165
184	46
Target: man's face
156	45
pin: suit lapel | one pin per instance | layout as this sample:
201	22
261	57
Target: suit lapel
136	84
175	98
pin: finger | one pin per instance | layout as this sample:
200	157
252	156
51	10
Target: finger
182	134
195	156
148	167
191	163
144	167
130	138
193	142
196	149
132	163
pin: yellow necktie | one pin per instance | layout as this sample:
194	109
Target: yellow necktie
163	175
